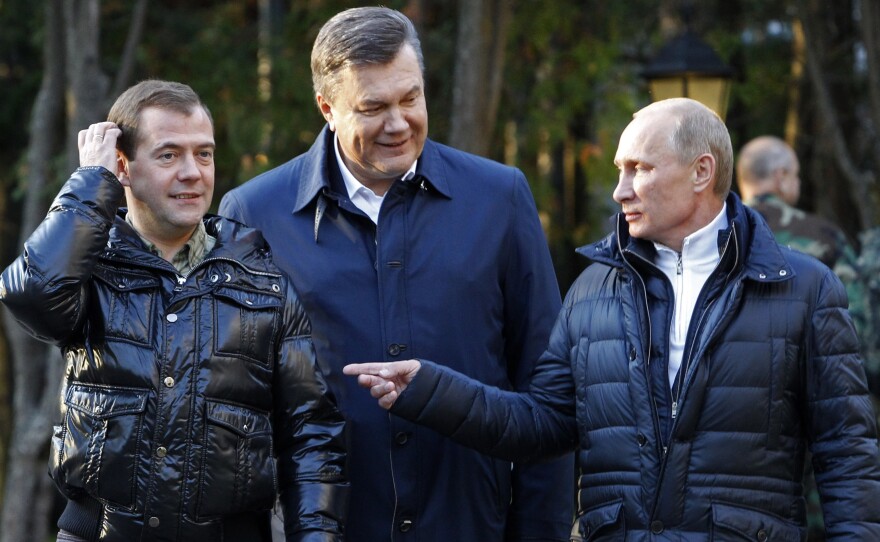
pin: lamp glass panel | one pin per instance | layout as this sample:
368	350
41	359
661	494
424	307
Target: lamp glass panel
667	87
710	91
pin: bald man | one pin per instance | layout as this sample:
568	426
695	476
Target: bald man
769	182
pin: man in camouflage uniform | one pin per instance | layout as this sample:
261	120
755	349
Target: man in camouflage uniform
767	173
768	179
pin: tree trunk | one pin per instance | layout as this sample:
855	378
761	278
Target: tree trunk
860	182
36	367
479	70
269	32
132	40
87	85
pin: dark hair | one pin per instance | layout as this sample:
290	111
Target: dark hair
169	95
357	37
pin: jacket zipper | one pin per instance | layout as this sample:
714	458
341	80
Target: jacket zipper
688	358
686	361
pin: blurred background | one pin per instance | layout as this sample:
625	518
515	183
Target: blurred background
544	86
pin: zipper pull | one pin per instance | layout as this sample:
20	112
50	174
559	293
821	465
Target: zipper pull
678	267
674	409
181	280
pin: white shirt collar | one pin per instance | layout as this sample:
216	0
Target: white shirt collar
362	197
701	245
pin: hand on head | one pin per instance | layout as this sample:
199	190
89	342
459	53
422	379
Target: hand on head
97	145
386	381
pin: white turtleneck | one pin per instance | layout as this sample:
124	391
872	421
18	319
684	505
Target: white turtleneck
688	272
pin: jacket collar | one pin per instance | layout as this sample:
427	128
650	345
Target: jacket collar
316	163
234	242
761	257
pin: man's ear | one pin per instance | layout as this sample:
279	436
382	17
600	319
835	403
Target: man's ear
122	169
704	172
326	110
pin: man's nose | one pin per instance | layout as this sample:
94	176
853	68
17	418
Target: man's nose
395	121
623	191
189	169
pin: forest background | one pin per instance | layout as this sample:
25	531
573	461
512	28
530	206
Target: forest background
544	86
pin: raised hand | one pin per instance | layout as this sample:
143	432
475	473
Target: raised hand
97	145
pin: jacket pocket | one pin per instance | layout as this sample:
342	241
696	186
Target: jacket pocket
127	301
245	324
599	522
97	447
238	471
732	523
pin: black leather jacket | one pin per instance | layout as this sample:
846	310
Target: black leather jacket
178	390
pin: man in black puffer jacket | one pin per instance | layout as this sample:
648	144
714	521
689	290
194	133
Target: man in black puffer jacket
190	371
693	364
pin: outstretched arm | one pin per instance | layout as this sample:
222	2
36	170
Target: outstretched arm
504	424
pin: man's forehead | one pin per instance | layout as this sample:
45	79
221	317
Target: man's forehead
167	127
641	138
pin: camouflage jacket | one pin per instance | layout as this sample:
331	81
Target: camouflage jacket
803	231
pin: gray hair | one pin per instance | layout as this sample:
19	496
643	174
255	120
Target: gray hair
358	37
698	130
761	157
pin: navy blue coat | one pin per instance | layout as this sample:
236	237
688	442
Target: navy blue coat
774	368
458	271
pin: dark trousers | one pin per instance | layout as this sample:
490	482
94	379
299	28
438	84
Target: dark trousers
64	536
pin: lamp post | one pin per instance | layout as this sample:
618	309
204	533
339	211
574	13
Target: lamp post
688	67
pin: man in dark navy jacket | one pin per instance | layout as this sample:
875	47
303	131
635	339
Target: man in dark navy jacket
400	247
692	365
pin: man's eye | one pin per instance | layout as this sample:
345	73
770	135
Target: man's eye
166	156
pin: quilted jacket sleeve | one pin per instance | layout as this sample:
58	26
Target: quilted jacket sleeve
841	422
310	437
542	506
45	288
505	424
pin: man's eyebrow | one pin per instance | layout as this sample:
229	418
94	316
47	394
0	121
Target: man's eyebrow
369	100
174	145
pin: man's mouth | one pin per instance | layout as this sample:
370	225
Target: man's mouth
395	144
185	196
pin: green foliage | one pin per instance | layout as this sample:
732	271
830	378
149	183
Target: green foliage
20	72
572	85
571	81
